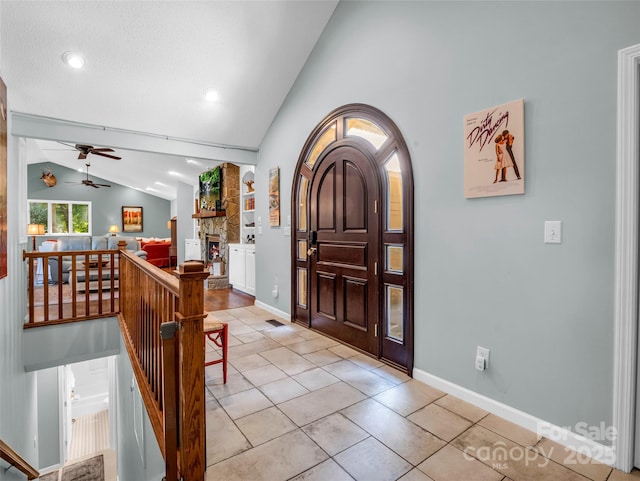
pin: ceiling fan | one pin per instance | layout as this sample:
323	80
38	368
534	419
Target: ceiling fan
88	182
90	149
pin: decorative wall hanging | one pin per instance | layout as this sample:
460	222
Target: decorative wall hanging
274	196
131	219
494	151
3	179
48	178
211	189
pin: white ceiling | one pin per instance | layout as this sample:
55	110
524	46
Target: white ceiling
147	66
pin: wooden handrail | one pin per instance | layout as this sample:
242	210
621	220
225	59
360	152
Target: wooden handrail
169	369
14	459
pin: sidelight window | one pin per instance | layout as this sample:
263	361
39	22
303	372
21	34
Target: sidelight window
394	194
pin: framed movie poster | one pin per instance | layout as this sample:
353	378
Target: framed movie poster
131	219
3	179
274	197
494	151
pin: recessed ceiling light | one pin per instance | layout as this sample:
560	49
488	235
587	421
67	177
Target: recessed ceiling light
211	95
73	59
160	183
174	173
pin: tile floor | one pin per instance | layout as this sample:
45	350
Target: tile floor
299	406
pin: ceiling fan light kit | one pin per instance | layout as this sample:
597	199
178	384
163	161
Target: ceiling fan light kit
88	182
74	60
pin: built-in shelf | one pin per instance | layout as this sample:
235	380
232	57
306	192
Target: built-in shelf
203	214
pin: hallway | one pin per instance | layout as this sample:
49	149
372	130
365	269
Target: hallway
299	406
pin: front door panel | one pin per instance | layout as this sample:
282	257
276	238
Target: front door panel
344	286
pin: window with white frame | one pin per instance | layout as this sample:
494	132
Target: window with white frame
61	217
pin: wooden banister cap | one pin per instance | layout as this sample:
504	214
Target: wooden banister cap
190	266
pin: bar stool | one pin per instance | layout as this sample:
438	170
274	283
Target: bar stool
218	332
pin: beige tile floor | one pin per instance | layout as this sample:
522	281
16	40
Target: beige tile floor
299	406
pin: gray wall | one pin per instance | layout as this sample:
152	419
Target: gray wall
483	275
106	203
48	418
131	465
18	408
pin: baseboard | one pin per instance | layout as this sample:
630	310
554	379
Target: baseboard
272	310
597	451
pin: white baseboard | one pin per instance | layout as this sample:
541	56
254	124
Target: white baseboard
597	451
273	310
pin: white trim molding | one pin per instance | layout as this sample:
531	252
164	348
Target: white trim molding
626	256
566	437
273	310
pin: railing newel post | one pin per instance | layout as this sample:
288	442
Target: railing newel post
190	314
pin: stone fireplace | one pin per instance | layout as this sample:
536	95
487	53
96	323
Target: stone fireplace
219	229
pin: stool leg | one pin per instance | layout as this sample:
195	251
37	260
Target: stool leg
225	344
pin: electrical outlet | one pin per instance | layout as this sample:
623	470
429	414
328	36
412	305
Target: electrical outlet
483	353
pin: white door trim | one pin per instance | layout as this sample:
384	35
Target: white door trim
626	256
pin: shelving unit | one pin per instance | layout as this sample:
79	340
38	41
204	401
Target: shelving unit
247	205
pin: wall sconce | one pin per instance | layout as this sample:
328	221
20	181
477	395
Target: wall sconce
169	224
113	229
34	230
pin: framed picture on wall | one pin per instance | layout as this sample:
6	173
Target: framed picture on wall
494	151
274	196
131	219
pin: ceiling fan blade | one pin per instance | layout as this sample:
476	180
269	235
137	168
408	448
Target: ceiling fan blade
82	155
102	149
94	185
102	185
106	155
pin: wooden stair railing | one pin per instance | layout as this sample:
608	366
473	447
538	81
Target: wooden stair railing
161	319
79	299
14	459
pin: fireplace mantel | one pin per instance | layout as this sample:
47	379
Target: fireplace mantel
205	214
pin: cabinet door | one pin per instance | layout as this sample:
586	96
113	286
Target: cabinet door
251	271
237	267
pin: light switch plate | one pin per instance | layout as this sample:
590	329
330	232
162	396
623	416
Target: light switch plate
552	232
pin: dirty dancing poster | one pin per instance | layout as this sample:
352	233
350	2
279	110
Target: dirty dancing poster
494	151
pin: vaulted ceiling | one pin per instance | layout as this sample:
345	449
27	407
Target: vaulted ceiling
147	67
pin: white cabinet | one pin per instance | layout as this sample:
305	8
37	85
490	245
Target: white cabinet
242	267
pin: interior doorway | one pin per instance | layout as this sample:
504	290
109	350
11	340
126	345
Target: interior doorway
352	248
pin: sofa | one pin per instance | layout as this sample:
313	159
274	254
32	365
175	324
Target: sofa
158	253
87	243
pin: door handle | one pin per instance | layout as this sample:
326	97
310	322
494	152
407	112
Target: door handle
311	251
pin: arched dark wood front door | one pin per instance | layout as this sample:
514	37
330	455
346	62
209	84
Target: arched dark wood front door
344	248
352	206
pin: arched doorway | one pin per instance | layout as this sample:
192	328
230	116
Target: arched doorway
352	242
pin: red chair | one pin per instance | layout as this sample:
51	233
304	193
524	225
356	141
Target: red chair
218	332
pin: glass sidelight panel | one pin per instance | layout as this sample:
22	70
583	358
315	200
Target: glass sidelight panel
395	313
302	250
394	194
327	137
302	287
394	259
302	204
356	127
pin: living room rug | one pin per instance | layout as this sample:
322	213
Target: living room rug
90	470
